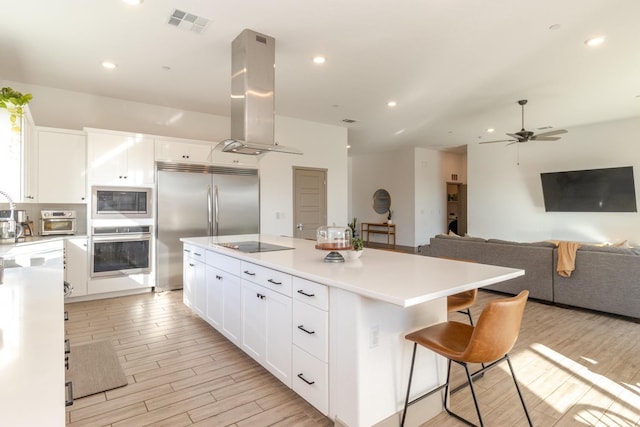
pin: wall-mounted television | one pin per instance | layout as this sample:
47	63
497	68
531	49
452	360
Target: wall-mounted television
593	190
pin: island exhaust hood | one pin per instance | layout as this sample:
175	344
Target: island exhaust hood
252	96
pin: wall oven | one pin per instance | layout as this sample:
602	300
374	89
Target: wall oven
120	250
120	202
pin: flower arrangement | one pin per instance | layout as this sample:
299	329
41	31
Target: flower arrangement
14	102
389	215
357	244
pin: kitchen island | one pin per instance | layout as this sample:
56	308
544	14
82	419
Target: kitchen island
333	332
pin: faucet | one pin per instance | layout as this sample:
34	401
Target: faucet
12	207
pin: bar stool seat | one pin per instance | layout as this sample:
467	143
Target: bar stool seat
462	302
487	343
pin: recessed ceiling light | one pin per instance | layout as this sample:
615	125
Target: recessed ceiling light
491	130
595	41
319	59
133	2
109	65
392	104
348	146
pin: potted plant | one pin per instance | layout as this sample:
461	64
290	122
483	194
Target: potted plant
357	249
14	102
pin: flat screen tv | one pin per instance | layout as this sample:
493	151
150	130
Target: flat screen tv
594	190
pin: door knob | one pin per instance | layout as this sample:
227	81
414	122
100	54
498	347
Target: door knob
300	227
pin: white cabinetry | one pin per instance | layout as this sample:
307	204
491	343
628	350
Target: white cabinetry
76	265
194	286
224	295
266	319
118	158
183	151
311	342
61	166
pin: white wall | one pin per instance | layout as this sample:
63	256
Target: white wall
415	178
324	146
505	194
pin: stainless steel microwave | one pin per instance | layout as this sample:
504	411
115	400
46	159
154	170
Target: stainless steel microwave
121	202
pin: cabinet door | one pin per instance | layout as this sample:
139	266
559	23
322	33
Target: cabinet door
254	332
199	289
188	277
140	161
231	308
278	332
61	166
76	265
214	283
176	151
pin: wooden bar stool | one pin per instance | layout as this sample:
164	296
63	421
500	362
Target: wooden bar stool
489	343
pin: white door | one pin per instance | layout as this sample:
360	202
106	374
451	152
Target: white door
309	201
253	320
231	308
278	326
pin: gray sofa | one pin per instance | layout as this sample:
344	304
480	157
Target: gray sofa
606	279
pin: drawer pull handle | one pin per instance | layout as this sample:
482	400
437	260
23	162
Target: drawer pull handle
249	273
69	388
218	277
300	291
191	265
66	362
67	346
301	327
196	253
274	282
66	316
187	251
305	380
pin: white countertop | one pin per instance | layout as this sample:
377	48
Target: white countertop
397	278
32	373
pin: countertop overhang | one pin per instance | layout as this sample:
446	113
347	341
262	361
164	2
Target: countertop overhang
393	277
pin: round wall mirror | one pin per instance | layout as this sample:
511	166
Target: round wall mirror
381	201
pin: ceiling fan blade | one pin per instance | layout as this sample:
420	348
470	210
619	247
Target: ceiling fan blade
502	140
545	138
552	132
514	135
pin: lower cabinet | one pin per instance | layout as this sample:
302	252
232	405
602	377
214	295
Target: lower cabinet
282	327
266	329
76	265
194	286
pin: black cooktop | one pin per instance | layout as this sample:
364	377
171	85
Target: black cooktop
253	246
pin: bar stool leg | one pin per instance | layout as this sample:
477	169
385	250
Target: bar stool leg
406	400
524	406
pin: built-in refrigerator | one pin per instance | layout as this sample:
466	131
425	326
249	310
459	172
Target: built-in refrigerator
200	200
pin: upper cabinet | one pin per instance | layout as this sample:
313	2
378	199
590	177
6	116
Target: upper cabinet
120	158
190	151
61	166
178	151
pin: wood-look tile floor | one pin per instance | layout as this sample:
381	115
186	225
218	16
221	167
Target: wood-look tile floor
575	368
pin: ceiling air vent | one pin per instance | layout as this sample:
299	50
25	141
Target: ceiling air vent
188	21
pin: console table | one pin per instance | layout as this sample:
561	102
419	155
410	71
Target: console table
379	228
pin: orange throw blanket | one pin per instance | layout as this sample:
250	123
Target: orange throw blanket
567	257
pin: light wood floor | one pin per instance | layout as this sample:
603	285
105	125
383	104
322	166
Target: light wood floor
575	368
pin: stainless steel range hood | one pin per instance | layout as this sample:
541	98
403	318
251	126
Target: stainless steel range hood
252	96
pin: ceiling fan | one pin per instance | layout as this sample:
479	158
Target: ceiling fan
526	135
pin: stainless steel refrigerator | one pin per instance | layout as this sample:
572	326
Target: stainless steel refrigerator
196	201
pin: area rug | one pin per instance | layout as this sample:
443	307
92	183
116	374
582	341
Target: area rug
94	367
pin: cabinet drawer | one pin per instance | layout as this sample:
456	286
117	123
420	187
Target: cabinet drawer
310	330
311	379
223	262
272	279
194	252
311	293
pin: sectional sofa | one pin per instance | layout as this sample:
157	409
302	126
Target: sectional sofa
605	278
